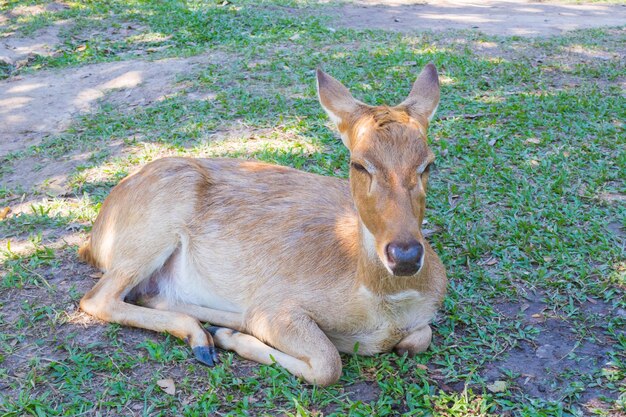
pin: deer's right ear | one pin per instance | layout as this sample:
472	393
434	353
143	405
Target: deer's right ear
337	101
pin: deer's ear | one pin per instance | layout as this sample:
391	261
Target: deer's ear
337	101
423	99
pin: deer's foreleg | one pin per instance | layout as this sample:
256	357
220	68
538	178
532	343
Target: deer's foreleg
415	342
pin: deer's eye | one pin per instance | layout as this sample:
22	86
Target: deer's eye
358	167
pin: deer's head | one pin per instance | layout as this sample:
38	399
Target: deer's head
389	166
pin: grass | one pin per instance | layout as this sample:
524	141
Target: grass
529	143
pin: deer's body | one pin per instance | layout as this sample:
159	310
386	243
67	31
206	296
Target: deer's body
281	260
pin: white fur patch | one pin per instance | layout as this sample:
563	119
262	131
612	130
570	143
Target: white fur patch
433	113
368	241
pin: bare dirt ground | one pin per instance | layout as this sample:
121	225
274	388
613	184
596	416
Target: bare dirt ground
501	17
35	106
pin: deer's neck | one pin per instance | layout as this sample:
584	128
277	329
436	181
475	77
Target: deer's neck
376	277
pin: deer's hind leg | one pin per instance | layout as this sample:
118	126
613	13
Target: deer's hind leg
106	302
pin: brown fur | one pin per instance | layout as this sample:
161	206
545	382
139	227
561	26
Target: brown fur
294	261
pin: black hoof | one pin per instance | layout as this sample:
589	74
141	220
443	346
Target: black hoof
212	330
206	355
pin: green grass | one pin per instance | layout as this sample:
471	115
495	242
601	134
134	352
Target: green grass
526	150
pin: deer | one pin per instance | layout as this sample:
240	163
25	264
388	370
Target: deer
285	266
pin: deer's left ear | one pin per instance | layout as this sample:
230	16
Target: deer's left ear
423	99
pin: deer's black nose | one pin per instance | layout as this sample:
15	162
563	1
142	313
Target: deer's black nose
405	258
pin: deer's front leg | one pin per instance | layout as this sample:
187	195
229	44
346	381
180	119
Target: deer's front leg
416	342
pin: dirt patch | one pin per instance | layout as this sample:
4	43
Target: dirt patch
37	9
115	32
363	391
30	172
366	392
501	17
612	197
33	107
552	365
18	50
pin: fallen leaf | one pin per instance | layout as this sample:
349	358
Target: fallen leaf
453	200
492	142
81	48
536	316
167	385
533	140
534	162
73	227
422	367
4	212
497	386
96	275
490	261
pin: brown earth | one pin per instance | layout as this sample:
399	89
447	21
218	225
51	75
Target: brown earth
493	17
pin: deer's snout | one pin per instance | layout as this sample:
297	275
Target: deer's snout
405	258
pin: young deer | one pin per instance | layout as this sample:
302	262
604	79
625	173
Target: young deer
292	267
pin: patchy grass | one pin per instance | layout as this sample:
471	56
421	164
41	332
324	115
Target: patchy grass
530	143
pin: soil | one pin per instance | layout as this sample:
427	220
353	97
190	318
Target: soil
557	357
35	106
493	17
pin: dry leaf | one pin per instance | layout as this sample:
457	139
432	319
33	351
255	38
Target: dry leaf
536	316
422	367
534	162
497	386
4	212
491	261
96	275
167	385
533	140
81	48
